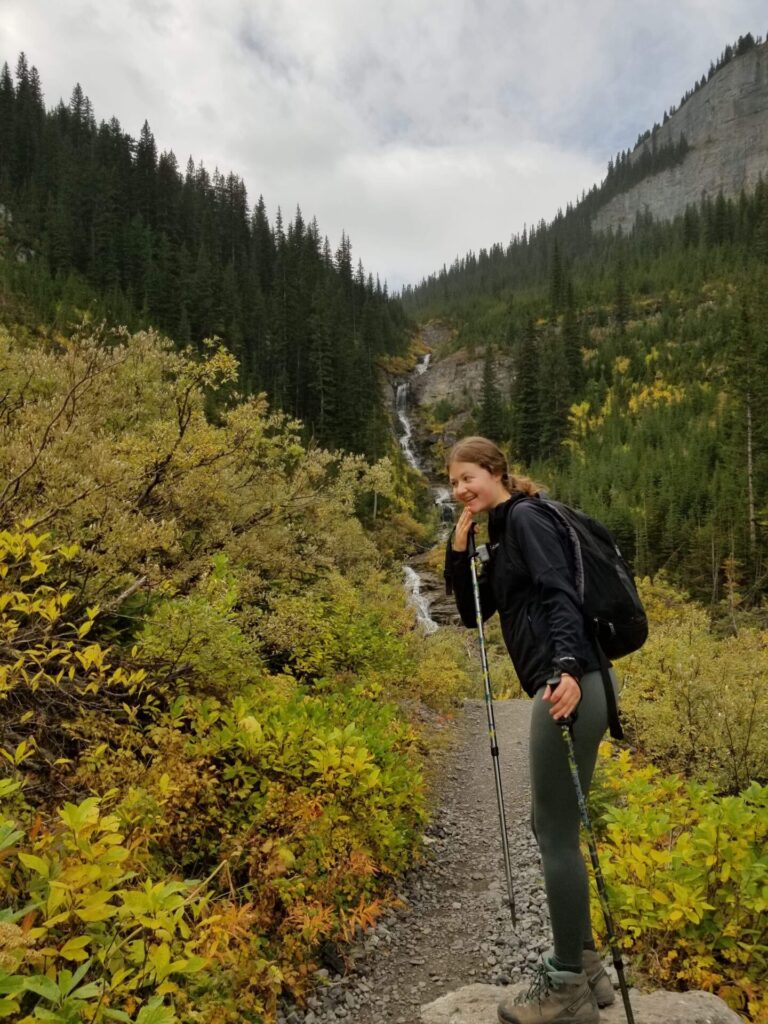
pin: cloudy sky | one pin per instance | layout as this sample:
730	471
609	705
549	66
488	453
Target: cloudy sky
424	128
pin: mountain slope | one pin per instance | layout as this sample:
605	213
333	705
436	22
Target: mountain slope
725	123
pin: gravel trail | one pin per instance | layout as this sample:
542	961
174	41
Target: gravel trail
455	927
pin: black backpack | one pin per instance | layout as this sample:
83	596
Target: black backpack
604	583
605	586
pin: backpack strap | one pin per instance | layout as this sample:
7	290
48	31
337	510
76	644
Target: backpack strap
614	722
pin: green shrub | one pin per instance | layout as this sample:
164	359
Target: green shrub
335	626
439	671
297	802
696	703
687	879
443	410
84	932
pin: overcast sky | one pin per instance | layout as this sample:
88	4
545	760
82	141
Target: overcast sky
423	128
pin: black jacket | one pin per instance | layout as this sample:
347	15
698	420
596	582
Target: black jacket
529	580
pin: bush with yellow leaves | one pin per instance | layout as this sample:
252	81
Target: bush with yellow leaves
687	878
206	641
299	801
694	702
85	934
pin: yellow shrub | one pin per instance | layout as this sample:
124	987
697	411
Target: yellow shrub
441	674
97	938
687	879
696	703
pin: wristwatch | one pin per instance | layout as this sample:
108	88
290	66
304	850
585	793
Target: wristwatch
568	665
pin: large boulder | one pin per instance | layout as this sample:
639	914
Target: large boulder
476	1004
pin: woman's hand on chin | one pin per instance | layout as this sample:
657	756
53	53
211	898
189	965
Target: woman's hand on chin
461	534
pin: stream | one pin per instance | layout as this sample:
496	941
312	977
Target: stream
441	495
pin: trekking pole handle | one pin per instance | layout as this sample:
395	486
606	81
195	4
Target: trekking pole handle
471	546
567	721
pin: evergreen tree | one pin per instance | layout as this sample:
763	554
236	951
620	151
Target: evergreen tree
572	344
145	177
7	115
491	418
526	404
555	395
621	306
557	284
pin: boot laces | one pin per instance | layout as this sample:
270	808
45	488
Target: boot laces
539	988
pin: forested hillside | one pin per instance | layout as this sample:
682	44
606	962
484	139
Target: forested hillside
639	365
95	220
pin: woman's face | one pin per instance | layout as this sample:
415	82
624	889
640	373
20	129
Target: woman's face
475	487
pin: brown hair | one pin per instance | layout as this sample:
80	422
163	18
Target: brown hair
485	453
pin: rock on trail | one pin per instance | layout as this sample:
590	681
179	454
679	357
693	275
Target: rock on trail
476	1004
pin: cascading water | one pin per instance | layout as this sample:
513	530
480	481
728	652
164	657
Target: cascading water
417	599
401	403
442	497
444	501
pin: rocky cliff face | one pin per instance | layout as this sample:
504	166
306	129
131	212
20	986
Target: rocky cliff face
456	376
726	125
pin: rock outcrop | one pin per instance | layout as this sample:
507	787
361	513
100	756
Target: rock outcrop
726	125
476	1004
457	378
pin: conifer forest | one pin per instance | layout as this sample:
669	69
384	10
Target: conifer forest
114	224
221	723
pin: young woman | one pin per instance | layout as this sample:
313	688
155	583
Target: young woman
529	581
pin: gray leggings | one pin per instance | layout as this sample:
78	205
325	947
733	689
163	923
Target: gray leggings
555	812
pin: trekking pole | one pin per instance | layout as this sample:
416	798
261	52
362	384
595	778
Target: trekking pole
473	554
566	727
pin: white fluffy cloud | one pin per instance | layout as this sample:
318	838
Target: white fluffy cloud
421	127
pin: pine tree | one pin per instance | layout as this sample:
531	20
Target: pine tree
491	418
621	306
749	382
7	113
145	179
555	395
572	343
322	396
557	286
526	405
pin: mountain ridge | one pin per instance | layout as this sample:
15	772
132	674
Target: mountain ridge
725	125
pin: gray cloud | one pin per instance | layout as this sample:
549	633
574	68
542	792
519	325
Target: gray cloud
421	127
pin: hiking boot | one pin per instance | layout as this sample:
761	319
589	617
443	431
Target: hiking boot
555	997
597	977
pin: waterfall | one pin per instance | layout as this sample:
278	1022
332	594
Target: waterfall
416	598
442	497
401	402
445	503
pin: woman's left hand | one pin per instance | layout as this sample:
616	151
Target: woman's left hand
564	697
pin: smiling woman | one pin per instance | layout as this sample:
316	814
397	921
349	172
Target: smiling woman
529	579
477	470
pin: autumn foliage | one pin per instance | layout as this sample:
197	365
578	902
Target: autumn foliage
206	774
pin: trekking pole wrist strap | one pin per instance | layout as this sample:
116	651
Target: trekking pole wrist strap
567	665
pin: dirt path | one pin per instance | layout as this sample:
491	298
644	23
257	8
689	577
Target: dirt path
455	927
